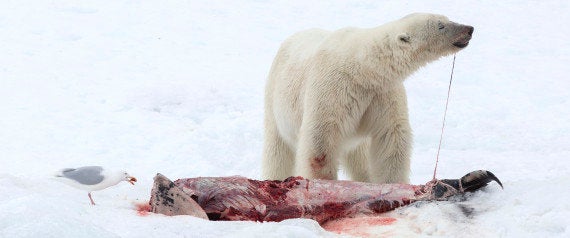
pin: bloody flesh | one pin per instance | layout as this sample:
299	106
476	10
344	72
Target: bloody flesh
238	198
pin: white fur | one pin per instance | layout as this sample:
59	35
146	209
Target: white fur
338	97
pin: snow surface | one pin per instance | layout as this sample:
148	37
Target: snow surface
176	87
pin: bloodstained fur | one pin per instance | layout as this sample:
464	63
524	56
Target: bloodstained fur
318	162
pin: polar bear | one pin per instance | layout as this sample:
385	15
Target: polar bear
337	98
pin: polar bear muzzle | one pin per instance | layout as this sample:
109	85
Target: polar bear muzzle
464	33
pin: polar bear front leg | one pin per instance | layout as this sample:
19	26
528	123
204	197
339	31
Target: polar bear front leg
391	144
390	155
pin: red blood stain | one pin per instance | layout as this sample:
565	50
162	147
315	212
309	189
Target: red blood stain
142	208
356	226
318	162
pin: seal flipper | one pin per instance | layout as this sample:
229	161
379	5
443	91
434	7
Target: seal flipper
477	179
170	200
444	188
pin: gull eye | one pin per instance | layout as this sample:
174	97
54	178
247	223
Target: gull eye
440	25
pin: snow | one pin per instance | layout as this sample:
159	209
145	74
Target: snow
176	87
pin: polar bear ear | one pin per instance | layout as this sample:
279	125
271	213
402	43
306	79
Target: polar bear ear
404	38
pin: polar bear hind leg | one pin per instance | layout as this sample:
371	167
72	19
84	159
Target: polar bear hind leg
355	163
278	159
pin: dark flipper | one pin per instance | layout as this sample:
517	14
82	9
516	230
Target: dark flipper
478	179
473	181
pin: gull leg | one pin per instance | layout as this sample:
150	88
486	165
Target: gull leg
92	202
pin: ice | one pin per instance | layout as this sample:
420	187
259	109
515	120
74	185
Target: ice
177	88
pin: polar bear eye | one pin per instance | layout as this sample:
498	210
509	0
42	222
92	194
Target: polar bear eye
440	25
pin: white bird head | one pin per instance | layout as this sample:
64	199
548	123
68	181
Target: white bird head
129	178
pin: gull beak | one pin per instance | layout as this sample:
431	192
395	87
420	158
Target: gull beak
131	180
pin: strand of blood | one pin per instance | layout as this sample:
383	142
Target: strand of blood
444	114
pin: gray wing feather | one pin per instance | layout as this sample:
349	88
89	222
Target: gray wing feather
89	175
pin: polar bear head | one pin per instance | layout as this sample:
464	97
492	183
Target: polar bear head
431	35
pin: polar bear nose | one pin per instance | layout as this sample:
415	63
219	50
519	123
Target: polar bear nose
469	30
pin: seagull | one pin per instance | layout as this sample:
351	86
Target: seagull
93	178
